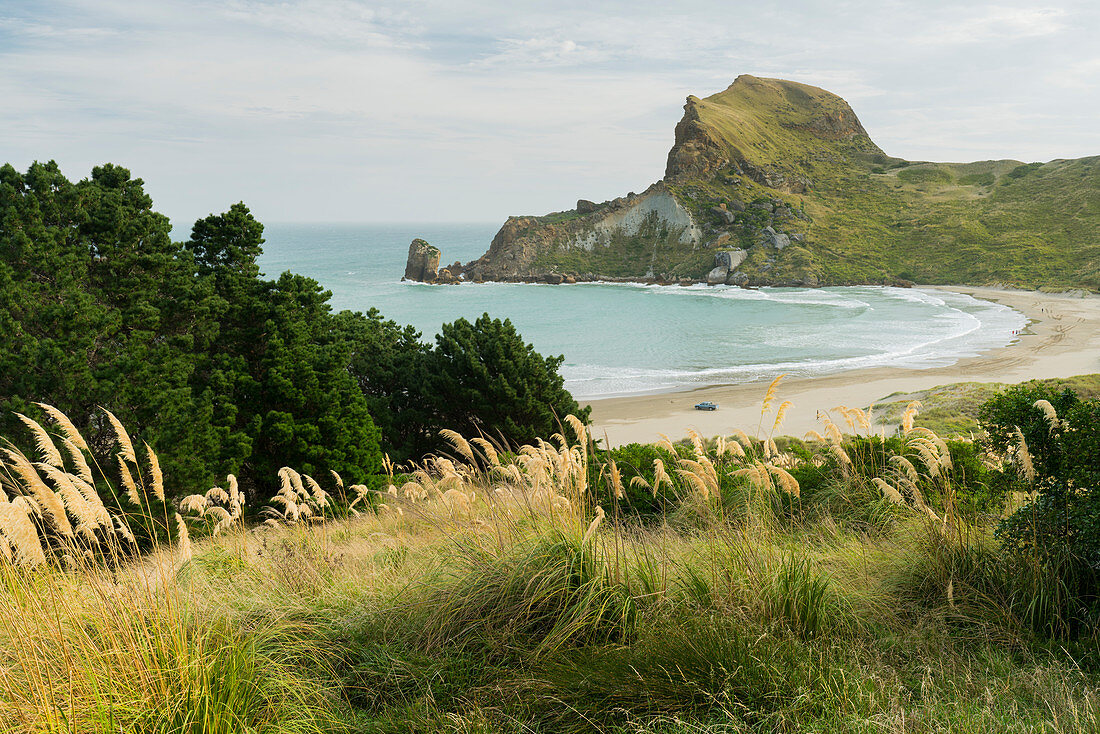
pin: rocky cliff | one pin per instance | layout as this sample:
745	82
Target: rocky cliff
655	220
776	182
422	263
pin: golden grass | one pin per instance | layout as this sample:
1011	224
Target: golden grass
124	639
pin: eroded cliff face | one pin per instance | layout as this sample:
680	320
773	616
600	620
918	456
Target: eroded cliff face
628	220
736	155
697	151
522	246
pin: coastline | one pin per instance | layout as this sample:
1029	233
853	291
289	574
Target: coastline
1062	339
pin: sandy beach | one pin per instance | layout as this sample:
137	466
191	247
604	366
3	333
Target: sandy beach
1062	339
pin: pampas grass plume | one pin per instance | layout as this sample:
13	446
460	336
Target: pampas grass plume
155	473
1024	455
126	446
593	526
769	396
184	538
460	444
82	469
18	530
1049	413
128	480
66	426
43	442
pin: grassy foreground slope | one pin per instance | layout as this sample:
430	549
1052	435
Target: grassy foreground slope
519	592
861	216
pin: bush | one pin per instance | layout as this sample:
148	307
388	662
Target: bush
1021	171
1057	523
634	460
1015	408
1060	529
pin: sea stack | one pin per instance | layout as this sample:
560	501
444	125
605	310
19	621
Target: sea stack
423	262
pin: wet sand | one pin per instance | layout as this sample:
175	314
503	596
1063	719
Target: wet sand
1062	339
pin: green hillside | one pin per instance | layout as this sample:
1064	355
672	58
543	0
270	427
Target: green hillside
795	158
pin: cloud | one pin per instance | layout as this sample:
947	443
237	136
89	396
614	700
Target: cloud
993	23
541	53
17	27
364	109
341	20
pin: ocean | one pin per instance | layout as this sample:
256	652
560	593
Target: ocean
620	339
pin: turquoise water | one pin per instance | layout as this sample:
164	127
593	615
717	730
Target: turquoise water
624	339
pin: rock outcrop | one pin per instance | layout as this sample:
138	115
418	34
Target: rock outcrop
423	262
772	182
725	262
655	216
778	240
697	152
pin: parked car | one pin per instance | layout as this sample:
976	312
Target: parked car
706	405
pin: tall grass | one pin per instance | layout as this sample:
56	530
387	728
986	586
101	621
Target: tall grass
507	589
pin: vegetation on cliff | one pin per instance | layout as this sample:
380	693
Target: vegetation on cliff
772	153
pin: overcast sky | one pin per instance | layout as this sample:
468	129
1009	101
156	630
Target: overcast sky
443	110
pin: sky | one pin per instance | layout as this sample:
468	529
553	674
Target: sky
444	110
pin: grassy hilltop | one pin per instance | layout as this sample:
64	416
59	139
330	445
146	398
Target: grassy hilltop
795	158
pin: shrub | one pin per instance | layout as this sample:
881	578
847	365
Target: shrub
640	500
1015	408
1021	171
1062	448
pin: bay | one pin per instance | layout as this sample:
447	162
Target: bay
620	339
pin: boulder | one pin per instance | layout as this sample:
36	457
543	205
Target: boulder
723	214
584	206
736	278
423	262
553	278
736	206
775	239
718	275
